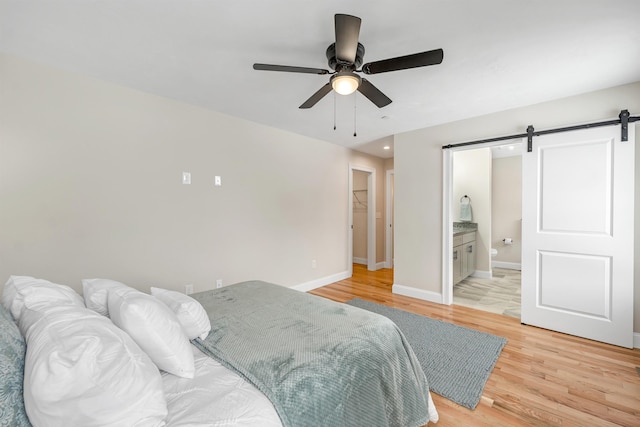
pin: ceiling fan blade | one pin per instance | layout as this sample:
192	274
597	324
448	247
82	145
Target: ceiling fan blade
317	96
289	69
431	57
373	94
347	33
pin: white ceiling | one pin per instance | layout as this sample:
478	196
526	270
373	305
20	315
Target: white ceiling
498	54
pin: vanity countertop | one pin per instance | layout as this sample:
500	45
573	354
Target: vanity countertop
460	228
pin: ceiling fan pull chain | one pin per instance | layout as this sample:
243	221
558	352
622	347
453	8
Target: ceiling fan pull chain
354	115
334	110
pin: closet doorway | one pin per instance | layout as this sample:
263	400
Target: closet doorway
362	218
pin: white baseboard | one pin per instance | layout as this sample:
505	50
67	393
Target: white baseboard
363	261
481	274
507	265
636	340
323	281
417	293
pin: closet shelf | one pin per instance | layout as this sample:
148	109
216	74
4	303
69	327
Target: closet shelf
357	203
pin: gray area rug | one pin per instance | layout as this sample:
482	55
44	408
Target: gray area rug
457	361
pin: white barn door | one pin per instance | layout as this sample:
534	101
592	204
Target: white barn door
577	226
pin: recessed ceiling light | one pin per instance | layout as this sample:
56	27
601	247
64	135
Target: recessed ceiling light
386	147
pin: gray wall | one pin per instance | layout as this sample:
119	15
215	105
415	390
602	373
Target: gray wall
91	186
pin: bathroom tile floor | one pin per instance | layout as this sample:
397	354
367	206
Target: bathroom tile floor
501	294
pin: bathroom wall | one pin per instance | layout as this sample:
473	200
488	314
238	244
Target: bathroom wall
472	177
506	210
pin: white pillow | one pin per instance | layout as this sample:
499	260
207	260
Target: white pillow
95	293
190	313
154	327
21	291
81	370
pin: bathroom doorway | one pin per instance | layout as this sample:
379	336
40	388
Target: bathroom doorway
490	177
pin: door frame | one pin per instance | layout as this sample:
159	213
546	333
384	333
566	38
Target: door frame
388	241
447	226
371	218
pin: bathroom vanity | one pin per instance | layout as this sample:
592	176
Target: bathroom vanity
464	250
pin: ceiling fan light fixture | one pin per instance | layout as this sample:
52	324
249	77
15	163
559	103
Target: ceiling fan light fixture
345	83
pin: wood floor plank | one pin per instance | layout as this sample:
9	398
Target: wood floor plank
542	378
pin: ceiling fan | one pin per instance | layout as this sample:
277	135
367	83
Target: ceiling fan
345	56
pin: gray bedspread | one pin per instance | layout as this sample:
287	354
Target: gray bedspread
321	363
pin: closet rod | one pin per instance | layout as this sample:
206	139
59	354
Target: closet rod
623	119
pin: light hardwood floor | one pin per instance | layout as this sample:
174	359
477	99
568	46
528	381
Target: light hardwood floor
542	378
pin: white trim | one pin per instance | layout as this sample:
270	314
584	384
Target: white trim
481	274
371	222
363	261
322	281
388	240
636	340
507	265
417	293
371	218
350	221
447	228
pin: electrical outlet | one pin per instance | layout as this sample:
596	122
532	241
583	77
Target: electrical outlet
314	264
218	181
188	289
218	283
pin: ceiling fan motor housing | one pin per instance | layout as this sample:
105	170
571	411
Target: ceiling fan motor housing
337	65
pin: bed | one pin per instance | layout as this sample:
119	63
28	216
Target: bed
250	354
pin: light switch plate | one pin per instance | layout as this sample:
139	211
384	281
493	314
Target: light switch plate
186	178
